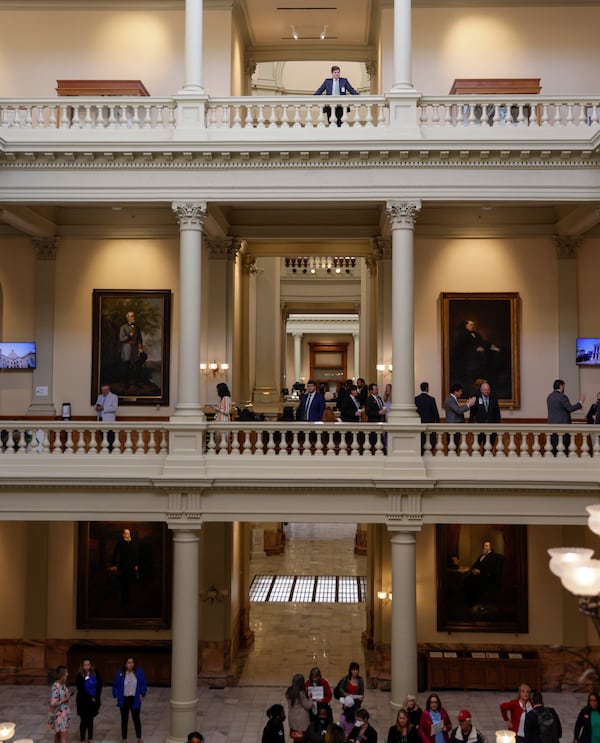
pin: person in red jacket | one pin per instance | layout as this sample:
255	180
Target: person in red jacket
435	725
513	712
318	690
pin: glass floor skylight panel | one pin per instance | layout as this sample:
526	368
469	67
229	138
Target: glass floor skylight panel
304	588
326	588
261	585
282	588
347	589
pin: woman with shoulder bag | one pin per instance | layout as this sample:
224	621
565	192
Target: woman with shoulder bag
299	706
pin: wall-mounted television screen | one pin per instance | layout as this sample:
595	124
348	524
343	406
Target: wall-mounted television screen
588	352
17	355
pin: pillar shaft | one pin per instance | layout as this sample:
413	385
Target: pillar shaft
184	654
193	47
402	45
297	356
42	404
402	216
404	617
191	216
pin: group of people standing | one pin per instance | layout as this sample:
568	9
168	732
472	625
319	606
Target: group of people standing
310	717
129	687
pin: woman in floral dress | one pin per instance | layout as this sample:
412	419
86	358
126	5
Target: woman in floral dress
60	715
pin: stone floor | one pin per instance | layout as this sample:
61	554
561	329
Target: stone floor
289	639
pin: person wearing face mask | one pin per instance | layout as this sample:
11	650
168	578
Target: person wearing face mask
273	731
363	732
318	727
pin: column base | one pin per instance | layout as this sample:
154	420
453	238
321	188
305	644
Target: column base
41	410
189	410
184	717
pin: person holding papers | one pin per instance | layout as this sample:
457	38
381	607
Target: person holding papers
317	690
435	725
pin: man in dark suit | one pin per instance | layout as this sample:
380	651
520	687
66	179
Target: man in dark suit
335	85
374	407
350	411
312	404
428	411
485	410
559	412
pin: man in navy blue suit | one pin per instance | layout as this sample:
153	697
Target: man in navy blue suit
335	85
312	404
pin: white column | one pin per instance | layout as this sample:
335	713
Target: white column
184	644
190	216
297	356
404	616
42	404
402	216
402	45
356	338
193	47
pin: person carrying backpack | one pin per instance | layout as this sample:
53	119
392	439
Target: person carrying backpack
542	724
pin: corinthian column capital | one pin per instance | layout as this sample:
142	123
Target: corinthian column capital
403	214
45	248
189	214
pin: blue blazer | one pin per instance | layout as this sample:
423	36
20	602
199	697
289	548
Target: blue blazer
327	87
316	409
118	688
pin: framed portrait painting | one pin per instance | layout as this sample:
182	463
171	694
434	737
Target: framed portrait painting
480	343
123	575
131	345
481	578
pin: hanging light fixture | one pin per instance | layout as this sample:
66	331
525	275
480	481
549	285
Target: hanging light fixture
579	572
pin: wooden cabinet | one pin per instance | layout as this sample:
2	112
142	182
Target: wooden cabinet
502	113
496	86
101	87
481	670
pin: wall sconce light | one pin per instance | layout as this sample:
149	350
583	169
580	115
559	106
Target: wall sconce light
213	594
7	730
294	33
505	736
384	596
323	33
214	368
383	368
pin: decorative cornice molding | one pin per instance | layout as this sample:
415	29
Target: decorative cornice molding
264	159
382	248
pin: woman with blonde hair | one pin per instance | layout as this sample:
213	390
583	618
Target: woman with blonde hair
60	714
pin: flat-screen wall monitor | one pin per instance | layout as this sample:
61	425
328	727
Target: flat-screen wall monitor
588	352
17	355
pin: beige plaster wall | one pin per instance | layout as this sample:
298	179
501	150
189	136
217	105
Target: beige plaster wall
588	279
85	265
556	44
504	265
13	555
142	45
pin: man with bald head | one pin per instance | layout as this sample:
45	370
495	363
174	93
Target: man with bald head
485	410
